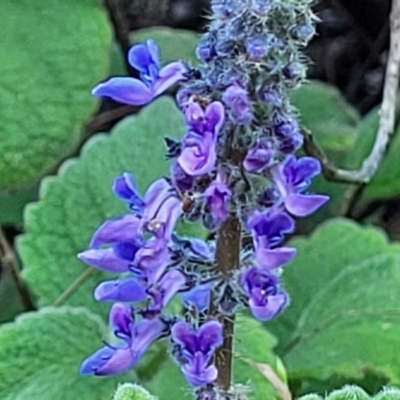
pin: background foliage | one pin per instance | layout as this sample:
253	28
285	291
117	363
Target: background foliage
61	149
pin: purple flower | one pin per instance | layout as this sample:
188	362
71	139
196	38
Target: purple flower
265	299
153	80
292	177
270	95
180	179
259	157
162	209
196	350
257	46
268	231
106	260
151	260
162	292
286	131
135	338
123	236
198	153
124	188
198	297
217	196
236	98
121	290
225	9
125	229
304	32
261	7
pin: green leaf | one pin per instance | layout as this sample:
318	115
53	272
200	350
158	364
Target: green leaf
40	356
12	204
132	391
343	285
332	121
79	200
386	182
254	343
52	52
175	44
169	383
352	392
388	394
349	393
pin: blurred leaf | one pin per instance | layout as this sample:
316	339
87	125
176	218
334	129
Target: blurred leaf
52	53
12	204
40	356
332	121
169	383
175	44
79	200
132	391
386	182
351	392
252	342
344	285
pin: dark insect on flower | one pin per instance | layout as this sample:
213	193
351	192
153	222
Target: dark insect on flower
187	202
193	73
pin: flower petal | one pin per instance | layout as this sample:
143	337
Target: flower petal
215	114
171	283
145	332
199	297
140	56
124	90
198	373
124	187
271	259
108	361
155	196
121	319
168	76
121	229
183	334
198	156
274	305
210	336
302	205
104	259
124	290
306	168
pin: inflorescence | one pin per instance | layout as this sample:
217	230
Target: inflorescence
236	159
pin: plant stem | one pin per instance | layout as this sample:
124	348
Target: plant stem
10	264
228	258
387	121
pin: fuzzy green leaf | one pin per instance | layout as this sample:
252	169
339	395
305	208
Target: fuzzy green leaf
343	284
51	54
132	391
352	392
332	121
40	356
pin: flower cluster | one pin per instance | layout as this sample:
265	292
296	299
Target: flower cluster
235	162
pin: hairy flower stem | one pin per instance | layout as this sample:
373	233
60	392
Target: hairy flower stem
227	255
